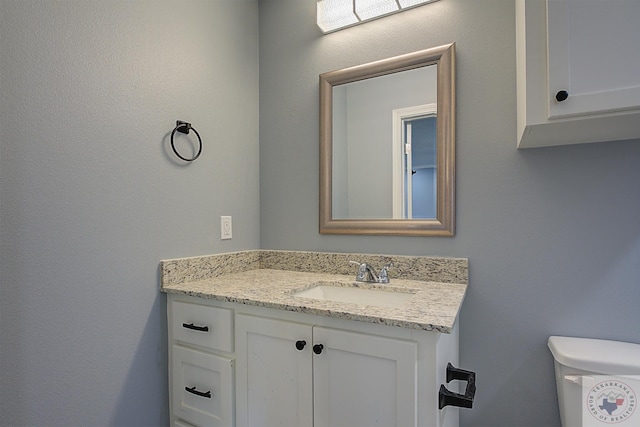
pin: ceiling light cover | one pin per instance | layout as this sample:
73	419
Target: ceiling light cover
369	9
333	15
404	4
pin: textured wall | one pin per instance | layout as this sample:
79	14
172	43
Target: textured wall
552	235
92	197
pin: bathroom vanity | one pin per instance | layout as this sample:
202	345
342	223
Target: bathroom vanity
263	338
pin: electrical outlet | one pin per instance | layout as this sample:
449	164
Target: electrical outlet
225	228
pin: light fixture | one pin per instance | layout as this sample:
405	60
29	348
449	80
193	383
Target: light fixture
333	15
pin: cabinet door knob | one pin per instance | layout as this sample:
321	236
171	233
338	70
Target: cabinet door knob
562	95
300	344
317	349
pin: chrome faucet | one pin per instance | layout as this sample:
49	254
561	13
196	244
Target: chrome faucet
366	273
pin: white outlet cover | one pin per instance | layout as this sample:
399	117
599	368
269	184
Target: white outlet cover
226	228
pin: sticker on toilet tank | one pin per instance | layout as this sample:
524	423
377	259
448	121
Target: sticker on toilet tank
609	399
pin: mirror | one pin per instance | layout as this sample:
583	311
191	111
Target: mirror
387	146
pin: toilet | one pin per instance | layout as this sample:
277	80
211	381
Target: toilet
585	362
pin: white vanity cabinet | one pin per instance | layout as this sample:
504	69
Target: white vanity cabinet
323	376
269	367
578	71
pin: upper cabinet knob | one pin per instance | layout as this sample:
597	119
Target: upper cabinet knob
300	344
317	349
562	95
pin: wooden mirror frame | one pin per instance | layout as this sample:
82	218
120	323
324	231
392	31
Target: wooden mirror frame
444	223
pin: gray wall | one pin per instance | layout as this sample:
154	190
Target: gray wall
552	235
92	197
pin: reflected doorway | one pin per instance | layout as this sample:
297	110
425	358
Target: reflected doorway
415	162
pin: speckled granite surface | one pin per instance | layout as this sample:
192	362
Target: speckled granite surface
271	278
446	270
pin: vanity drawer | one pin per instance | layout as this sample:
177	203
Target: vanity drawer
202	387
180	423
202	325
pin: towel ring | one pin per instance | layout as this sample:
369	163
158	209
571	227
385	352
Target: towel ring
184	127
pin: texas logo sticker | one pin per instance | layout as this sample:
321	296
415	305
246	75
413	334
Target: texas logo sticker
611	400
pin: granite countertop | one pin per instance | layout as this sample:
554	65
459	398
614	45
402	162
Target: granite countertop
433	307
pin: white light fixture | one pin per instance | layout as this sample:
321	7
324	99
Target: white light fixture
333	15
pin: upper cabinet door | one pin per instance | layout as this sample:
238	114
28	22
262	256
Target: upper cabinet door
578	71
593	56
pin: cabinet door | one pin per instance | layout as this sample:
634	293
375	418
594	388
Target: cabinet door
364	380
274	369
588	49
592	54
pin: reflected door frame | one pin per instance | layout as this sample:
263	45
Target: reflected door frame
399	115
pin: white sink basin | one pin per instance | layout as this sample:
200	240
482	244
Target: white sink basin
357	294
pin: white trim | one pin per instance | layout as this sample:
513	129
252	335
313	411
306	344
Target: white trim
397	158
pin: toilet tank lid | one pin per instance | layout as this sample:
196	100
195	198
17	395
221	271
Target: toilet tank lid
598	356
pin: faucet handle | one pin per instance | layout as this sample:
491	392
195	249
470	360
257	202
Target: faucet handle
383	276
362	270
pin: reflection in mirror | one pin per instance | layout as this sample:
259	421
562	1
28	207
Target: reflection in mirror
387	146
367	116
414	169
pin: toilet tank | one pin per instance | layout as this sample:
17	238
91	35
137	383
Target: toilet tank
584	362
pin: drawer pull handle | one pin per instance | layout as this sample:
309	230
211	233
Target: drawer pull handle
193	390
195	328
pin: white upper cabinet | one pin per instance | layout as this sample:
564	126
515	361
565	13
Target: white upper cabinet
578	71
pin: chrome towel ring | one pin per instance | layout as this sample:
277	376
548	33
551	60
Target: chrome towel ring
184	127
